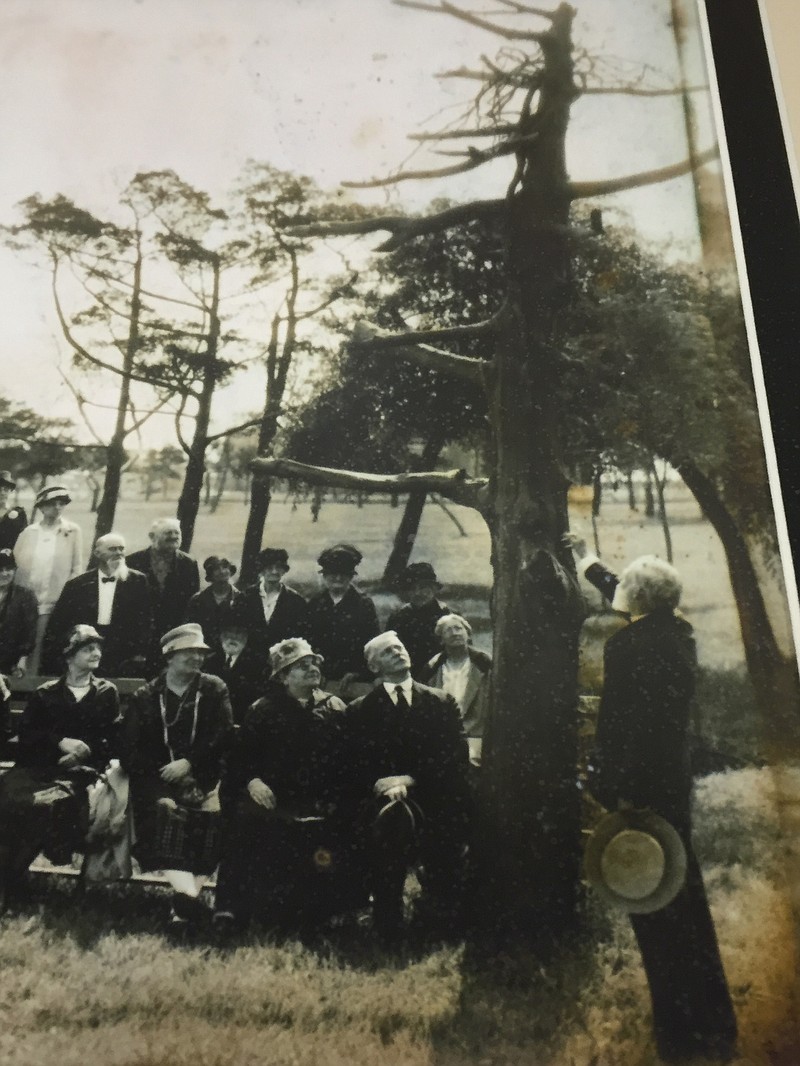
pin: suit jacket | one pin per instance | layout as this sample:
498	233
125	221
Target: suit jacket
641	746
415	626
128	635
169	603
476	696
339	631
211	616
18	616
246	679
426	741
11	525
289	619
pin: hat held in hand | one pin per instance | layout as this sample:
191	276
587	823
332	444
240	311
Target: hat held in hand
635	860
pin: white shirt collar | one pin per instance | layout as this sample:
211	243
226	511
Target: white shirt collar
407	687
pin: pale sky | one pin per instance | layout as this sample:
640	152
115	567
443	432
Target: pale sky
92	91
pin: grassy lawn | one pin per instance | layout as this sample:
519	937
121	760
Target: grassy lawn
99	982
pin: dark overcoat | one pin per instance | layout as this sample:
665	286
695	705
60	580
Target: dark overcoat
476	696
18	617
11	525
339	631
128	635
211	616
246	679
288	619
170	600
642	757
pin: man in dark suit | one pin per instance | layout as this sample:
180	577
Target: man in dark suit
273	611
404	783
415	622
241	664
116	601
173	577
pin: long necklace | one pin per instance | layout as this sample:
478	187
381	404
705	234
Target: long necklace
168	725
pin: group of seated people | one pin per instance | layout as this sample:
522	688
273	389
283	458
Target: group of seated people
287	743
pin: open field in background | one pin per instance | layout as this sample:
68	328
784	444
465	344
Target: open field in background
462	563
98	981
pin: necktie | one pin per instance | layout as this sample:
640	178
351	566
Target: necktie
402	702
105	580
229	663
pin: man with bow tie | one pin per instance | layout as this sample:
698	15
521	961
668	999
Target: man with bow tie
116	601
404	766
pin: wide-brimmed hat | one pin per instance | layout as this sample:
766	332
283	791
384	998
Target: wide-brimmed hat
214	562
6	480
635	860
419	574
188	637
78	637
7	560
287	652
50	493
270	556
340	559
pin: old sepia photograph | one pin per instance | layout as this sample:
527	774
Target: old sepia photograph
398	626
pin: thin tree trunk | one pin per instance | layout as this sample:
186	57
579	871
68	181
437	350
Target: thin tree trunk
649	497
412	516
597	497
115	452
225	463
631	490
662	510
773	676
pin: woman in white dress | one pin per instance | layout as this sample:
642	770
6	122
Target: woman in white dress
48	553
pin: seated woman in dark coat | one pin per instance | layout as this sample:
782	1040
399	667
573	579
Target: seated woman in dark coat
175	733
275	796
641	759
67	735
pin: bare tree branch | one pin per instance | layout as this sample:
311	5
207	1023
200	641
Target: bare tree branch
494	75
448	135
81	402
364	333
460	366
453	484
234	429
524	9
403	227
632	90
580	190
473	20
477	158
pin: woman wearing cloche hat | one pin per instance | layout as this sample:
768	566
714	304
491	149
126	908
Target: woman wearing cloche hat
48	552
175	733
68	734
275	794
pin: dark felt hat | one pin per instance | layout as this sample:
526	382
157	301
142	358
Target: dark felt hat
340	559
270	556
419	574
6	480
213	562
635	860
7	560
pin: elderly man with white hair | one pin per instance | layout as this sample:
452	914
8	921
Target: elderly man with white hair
115	600
642	760
403	763
173	576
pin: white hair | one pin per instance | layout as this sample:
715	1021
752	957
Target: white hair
649	583
446	619
162	524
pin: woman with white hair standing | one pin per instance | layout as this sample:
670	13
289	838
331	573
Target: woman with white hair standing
641	760
48	553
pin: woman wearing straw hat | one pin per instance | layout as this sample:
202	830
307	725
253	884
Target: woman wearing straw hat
278	860
641	761
175	733
67	735
48	553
